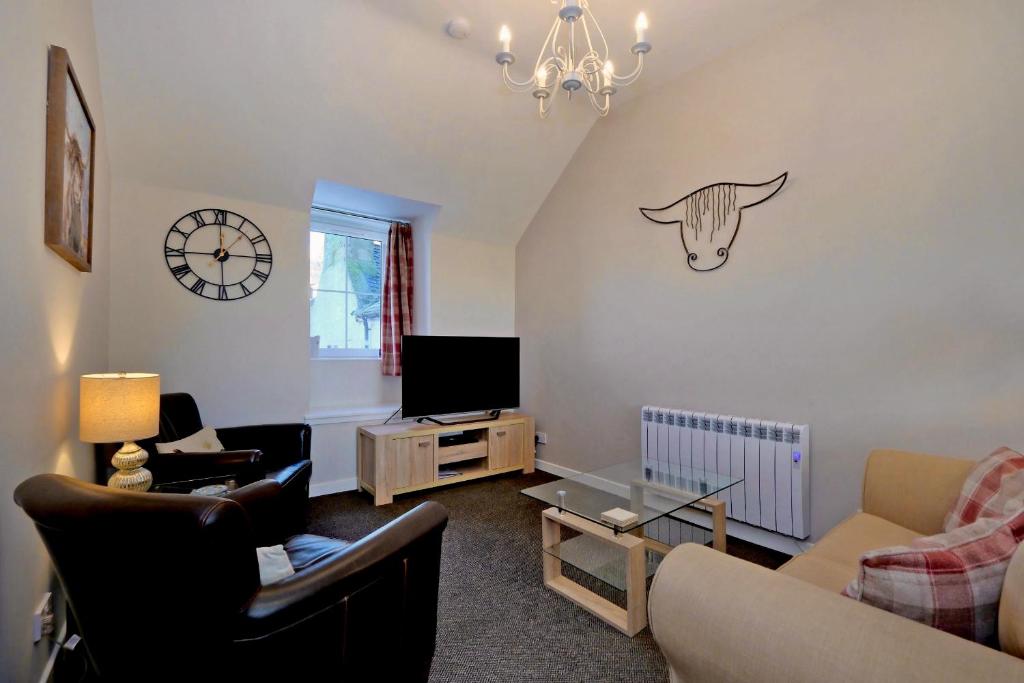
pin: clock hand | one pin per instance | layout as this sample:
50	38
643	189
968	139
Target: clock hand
223	251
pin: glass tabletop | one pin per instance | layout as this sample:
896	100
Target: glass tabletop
648	488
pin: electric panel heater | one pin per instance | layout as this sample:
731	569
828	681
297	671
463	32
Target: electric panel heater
772	458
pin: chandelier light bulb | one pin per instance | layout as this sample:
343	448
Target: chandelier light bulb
505	36
542	77
641	27
609	71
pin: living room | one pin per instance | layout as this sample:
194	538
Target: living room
555	236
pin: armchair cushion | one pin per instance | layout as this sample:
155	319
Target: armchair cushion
994	488
951	581
203	441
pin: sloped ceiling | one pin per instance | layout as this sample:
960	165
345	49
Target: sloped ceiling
258	99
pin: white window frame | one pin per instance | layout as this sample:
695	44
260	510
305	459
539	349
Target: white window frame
351	226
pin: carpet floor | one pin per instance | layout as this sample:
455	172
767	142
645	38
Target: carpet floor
496	621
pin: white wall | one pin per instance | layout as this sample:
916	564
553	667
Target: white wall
877	297
54	318
244	361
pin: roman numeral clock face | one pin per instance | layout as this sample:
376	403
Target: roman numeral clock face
218	254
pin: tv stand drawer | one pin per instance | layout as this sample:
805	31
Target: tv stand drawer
413	461
505	446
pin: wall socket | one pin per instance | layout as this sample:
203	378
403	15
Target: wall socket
542	437
42	618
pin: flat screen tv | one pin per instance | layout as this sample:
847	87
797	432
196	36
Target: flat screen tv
445	375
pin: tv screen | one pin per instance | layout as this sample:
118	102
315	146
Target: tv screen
442	375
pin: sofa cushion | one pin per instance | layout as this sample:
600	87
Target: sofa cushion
950	581
858	534
994	488
822	572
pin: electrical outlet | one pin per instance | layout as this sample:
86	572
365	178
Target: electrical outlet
42	618
542	437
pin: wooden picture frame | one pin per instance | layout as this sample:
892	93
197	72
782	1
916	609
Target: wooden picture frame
70	164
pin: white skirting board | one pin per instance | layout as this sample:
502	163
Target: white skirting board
751	534
326	488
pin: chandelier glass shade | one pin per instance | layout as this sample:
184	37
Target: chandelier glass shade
574	58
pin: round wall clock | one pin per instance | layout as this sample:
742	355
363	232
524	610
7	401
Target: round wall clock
218	254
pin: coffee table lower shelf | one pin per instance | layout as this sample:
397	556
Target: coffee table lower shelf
627	572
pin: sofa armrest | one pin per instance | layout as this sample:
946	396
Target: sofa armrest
914	490
719	619
281	444
168	466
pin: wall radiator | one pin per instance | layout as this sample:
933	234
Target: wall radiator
773	458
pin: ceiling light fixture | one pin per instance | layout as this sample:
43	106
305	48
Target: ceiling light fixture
568	59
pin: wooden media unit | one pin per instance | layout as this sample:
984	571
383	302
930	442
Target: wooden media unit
401	458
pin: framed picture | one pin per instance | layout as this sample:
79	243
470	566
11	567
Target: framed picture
70	154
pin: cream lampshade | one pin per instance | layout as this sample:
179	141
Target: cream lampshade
121	406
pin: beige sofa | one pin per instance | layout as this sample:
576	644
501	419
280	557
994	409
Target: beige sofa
718	618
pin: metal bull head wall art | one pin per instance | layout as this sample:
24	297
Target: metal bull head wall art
709	218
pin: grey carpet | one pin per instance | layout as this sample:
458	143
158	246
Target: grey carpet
496	621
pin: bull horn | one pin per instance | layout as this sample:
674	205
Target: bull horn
751	195
665	215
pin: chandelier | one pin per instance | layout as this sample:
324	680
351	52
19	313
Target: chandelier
569	59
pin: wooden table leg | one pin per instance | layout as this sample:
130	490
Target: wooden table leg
717	522
631	620
551	535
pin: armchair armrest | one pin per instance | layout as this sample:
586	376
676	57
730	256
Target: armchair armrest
720	619
261	501
245	463
281	444
914	490
375	562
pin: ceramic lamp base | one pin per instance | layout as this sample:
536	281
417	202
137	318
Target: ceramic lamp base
130	473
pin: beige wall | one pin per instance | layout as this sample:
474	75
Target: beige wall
53	319
877	297
472	288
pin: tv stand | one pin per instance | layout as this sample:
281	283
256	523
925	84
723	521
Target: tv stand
491	415
400	458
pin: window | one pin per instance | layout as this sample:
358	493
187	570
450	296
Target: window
346	279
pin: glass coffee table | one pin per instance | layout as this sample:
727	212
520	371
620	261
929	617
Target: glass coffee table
613	548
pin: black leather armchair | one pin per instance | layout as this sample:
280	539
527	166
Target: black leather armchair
166	586
275	451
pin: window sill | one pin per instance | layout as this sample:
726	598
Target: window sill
372	359
322	416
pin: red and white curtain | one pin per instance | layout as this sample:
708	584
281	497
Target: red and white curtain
396	307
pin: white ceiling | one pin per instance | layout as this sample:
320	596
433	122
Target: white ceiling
259	99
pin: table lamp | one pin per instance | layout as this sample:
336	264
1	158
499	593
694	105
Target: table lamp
121	406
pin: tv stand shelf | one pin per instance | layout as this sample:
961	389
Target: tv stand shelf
401	458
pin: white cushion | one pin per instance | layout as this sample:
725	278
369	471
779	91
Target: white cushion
274	564
203	441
